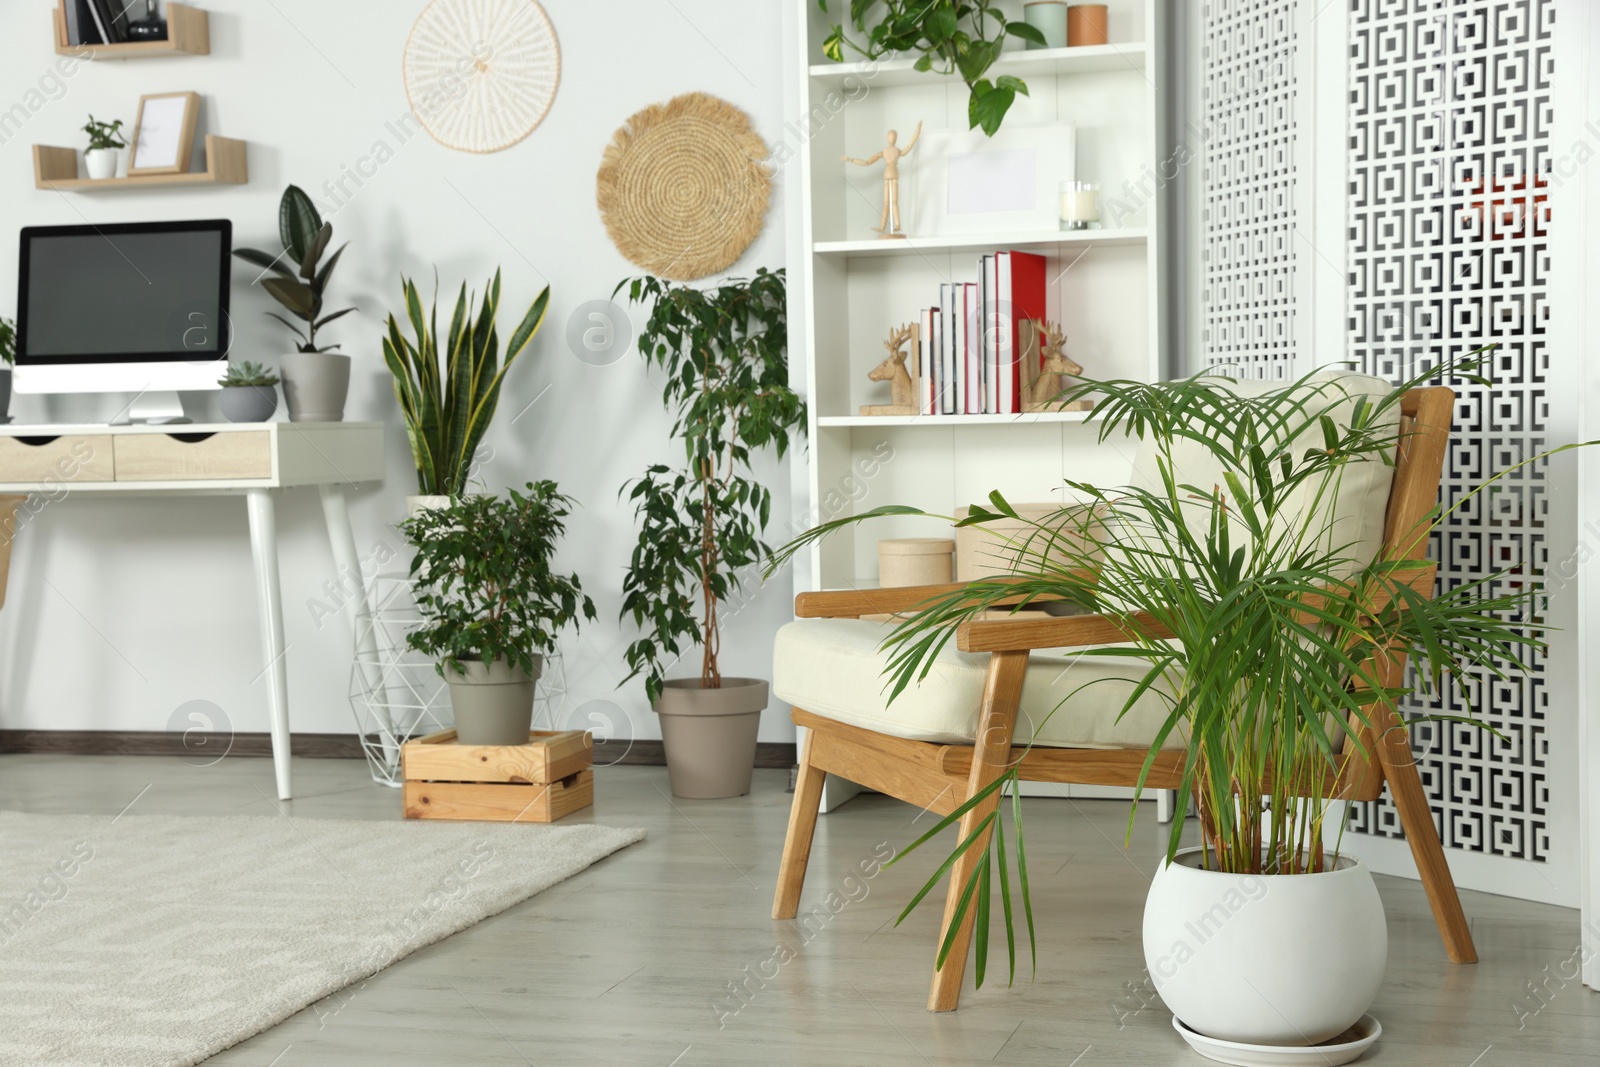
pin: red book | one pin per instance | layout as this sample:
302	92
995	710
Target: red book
1022	302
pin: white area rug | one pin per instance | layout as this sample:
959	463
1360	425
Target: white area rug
159	941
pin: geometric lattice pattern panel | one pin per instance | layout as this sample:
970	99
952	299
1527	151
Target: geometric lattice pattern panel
1248	220
1450	125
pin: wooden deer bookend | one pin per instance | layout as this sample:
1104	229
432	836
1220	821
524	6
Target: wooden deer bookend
1042	348
894	371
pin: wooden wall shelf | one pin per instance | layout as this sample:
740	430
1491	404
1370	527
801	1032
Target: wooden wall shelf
57	169
188	34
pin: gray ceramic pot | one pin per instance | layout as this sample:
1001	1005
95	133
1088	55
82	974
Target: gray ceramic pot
315	385
248	403
493	704
710	735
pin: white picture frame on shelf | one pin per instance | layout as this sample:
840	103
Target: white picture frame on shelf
966	182
163	134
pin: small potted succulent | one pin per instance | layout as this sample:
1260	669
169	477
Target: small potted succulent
490	606
105	138
316	379
248	393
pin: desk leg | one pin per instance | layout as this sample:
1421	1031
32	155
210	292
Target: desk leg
343	541
264	546
8	533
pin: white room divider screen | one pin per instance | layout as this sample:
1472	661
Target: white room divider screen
1437	126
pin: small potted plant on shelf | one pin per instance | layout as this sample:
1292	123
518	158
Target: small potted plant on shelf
8	356
1259	614
316	380
105	138
248	393
490	605
960	37
448	392
724	355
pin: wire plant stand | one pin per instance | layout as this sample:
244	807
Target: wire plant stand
397	693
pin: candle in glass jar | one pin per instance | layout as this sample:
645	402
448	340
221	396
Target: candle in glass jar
1080	204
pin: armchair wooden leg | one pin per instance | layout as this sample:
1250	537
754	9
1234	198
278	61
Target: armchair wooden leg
1411	800
802	825
1001	694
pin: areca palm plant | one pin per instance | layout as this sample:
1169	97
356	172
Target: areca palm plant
448	392
1258	620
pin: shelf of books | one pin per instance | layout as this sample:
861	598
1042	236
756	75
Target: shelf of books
986	281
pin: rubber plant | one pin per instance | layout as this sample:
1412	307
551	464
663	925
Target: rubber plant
723	352
1243	612
961	37
485	588
296	277
448	392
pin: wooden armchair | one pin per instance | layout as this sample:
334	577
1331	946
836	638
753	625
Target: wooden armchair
941	776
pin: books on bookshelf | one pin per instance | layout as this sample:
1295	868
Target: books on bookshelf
972	346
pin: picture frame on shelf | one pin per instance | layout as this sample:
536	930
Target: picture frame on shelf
163	133
968	183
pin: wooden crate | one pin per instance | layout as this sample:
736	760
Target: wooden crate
541	781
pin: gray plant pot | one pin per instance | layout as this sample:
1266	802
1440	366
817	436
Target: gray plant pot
248	403
493	704
710	735
5	394
315	385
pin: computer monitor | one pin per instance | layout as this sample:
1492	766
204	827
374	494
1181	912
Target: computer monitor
136	308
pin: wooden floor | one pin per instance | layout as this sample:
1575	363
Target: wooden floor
634	961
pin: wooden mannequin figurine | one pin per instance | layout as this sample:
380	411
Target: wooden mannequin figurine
893	370
891	154
1040	393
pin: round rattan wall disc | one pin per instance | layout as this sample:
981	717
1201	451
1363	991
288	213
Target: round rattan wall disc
683	187
481	74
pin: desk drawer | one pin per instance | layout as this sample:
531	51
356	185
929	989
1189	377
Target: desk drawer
162	457
73	458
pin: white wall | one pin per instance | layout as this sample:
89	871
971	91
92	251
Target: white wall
121	611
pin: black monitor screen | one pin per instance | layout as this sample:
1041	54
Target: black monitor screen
144	292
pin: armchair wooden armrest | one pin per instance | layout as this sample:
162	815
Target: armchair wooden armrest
1070	631
853	603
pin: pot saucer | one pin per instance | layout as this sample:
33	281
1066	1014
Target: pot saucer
1345	1048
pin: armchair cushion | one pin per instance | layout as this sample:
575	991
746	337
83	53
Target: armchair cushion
834	668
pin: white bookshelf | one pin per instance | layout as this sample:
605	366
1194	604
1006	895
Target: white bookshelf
847	287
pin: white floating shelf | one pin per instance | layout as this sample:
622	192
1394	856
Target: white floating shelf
1023	63
916	246
953	420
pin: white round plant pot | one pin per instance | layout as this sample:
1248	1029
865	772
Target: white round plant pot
1282	959
101	163
710	735
493	703
315	385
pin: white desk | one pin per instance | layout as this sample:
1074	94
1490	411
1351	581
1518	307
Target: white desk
229	459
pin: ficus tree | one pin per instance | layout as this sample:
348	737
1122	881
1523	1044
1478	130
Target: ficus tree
723	354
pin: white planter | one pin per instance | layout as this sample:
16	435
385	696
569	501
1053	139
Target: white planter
415	505
1265	959
101	163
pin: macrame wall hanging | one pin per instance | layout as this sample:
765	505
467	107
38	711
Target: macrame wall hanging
481	74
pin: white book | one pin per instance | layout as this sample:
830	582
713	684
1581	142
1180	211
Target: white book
947	349
926	347
1006	400
972	351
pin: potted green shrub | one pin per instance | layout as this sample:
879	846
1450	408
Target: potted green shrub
1261	620
490	606
8	357
961	37
724	358
100	158
316	379
249	393
448	393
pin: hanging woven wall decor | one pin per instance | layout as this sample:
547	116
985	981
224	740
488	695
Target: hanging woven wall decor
481	74
683	187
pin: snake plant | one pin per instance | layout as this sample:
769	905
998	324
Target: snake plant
448	393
